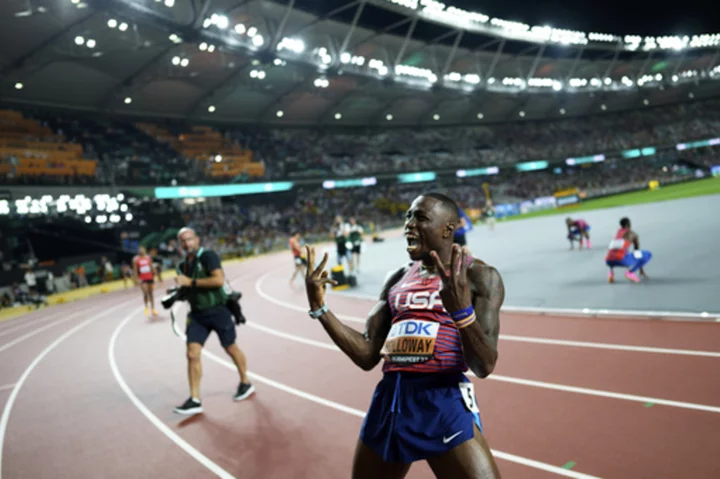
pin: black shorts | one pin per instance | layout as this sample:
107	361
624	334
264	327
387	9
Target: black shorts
356	248
148	281
218	319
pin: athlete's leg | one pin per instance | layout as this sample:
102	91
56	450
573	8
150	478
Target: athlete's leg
151	296
238	358
194	352
470	460
642	260
368	465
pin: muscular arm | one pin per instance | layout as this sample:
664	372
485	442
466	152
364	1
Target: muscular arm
480	339
363	348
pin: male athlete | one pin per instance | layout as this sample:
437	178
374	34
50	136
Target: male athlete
144	274
578	228
341	230
435	318
298	259
355	237
202	274
619	253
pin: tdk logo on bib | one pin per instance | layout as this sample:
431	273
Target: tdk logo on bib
411	341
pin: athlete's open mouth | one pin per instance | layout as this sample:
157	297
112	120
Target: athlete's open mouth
413	242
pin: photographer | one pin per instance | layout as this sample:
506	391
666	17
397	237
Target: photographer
202	283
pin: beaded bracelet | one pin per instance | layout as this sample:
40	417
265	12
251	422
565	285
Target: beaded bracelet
464	323
463	313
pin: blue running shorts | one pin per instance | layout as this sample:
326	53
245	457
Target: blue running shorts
415	416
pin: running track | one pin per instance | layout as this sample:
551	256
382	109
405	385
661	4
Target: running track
88	390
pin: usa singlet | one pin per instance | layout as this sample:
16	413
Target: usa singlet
619	246
423	337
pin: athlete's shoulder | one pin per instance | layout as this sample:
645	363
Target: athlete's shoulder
393	277
482	273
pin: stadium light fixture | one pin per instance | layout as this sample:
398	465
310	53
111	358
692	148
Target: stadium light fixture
603	107
128	100
252	31
175	60
169	3
79	40
240	29
480	116
522	114
691	95
19	86
90	43
436	117
562	111
280	113
338	116
211	108
112	23
203	46
123	26
389	117
646	101
184	62
258	40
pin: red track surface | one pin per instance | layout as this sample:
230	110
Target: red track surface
71	417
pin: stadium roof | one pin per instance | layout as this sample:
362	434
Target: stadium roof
333	62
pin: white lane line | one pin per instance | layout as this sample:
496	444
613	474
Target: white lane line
40	330
510	379
358	413
16	390
633	314
26	324
184	445
523	382
525	339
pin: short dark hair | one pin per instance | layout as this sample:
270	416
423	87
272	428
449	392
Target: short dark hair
448	204
625	222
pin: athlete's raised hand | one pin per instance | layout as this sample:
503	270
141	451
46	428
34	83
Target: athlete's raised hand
316	279
455	292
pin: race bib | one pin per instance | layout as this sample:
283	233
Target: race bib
411	342
468	394
617	244
145	268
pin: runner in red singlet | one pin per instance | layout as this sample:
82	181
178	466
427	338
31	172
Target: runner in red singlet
298	259
145	274
429	326
619	254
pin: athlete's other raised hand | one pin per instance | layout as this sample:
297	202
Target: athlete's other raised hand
316	280
455	292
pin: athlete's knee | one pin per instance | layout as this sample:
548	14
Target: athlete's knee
194	351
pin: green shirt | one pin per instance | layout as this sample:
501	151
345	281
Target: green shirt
204	263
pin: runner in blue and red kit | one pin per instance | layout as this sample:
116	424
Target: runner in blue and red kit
436	318
619	254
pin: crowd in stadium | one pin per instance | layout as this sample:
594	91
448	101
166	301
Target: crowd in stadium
135	154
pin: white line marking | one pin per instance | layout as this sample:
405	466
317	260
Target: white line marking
38	331
26	324
607	394
16	390
524	382
184	445
358	413
525	339
632	314
616	347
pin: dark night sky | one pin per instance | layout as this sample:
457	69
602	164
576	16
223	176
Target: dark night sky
620	17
